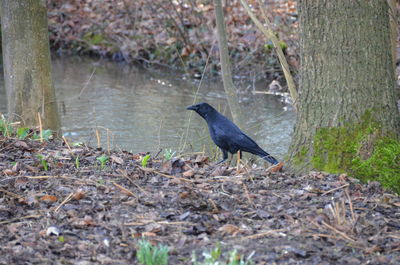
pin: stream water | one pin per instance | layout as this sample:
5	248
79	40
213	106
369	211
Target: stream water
144	111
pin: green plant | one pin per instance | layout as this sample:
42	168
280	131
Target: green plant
5	128
77	144
46	134
148	254
43	161
145	159
214	258
22	132
103	160
169	154
77	163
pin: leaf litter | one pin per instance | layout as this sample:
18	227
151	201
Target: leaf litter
79	213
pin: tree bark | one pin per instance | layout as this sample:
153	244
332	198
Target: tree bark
347	102
27	63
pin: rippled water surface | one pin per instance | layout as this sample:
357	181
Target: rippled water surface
145	111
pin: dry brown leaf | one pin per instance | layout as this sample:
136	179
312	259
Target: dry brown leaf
49	198
396	204
21	144
184	195
229	229
79	195
188	173
277	168
9	172
149	234
117	159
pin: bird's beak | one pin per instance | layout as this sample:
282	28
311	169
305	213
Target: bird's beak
192	107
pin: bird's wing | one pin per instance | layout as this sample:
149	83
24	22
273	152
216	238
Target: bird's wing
228	136
245	143
220	136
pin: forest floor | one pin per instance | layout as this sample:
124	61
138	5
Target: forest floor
58	205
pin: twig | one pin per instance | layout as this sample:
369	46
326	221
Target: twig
323	235
353	217
213	205
171	177
339	232
247	194
124	189
40	128
267	31
69	147
87	83
157	222
40	177
69	197
128	178
12	194
263	234
194	100
277	195
98	137
20	218
338	188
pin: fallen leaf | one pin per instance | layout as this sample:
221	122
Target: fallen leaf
79	195
49	198
117	159
9	172
149	234
188	173
277	168
229	229
184	195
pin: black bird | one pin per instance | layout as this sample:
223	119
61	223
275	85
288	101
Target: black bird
227	136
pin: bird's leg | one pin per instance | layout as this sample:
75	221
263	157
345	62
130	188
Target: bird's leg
239	157
224	156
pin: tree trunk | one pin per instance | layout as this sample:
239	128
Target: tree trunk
347	105
27	64
229	87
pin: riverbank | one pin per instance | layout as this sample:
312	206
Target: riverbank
76	204
172	34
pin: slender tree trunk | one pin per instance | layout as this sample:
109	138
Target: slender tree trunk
27	64
393	15
229	87
347	90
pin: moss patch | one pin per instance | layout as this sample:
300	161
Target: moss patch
362	150
383	165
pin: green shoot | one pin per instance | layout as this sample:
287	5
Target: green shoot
78	144
103	160
169	154
61	239
77	163
22	133
5	127
145	159
215	257
148	254
43	161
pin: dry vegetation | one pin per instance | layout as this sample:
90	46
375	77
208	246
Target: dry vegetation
80	212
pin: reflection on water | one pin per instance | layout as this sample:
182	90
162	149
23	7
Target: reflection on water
145	111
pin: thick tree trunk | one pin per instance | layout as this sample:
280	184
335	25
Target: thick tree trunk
27	65
347	90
